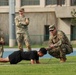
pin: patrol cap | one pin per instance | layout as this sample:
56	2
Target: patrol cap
52	27
21	9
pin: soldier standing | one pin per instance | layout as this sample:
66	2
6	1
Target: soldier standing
1	43
59	45
22	30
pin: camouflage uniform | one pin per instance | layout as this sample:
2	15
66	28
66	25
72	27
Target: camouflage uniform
1	44
22	32
62	45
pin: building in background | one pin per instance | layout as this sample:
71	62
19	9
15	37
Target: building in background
41	13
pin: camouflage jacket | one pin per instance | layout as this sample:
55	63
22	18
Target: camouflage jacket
21	25
2	42
59	39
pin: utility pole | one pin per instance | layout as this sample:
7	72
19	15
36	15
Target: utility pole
11	23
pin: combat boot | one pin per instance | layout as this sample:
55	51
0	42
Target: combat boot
62	60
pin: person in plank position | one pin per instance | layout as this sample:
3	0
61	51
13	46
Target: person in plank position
19	55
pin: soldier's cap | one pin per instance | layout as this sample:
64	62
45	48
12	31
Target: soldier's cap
52	27
21	9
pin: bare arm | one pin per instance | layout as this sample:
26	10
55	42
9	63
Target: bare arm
33	61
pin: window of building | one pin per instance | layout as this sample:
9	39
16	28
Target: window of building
55	2
60	2
73	32
46	35
4	2
73	2
51	2
30	2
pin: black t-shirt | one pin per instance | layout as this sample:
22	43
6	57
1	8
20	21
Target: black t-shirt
17	56
29	55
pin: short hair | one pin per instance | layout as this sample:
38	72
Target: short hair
43	50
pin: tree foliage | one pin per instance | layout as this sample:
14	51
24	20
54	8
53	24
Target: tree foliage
73	20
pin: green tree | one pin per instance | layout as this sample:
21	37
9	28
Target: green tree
73	20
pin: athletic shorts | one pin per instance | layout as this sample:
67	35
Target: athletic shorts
15	57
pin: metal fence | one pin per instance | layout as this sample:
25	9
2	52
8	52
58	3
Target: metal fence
41	39
38	39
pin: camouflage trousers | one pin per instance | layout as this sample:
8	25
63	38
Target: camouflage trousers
1	52
60	52
23	38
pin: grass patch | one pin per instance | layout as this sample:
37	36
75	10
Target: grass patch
74	45
47	67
